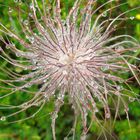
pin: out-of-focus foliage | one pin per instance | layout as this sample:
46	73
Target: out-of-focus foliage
38	128
133	2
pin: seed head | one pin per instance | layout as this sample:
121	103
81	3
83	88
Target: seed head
78	57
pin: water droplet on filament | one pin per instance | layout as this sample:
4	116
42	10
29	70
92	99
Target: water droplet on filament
3	118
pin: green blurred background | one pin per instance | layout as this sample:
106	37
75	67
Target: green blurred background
38	128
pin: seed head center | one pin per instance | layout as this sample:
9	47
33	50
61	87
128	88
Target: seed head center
67	59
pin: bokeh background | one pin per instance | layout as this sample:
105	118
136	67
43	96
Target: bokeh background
39	127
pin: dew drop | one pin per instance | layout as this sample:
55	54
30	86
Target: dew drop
95	86
10	10
46	98
120	48
22	78
17	54
127	117
65	72
15	1
104	14
134	51
20	2
132	18
34	61
11	35
62	95
104	68
65	138
31	39
81	98
115	26
3	118
24	105
97	75
126	109
25	68
73	107
92	82
7	46
119	88
54	116
121	81
59	98
31	6
107	115
131	99
26	22
14	90
96	110
30	14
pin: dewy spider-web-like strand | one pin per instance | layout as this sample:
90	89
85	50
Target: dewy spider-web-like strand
79	56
